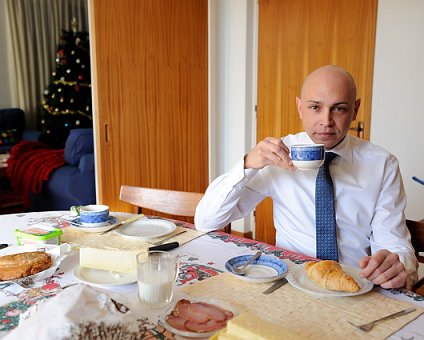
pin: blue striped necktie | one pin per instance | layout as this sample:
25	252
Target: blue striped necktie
325	215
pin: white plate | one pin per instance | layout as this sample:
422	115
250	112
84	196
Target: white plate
189	334
76	224
58	254
264	269
298	278
146	228
103	277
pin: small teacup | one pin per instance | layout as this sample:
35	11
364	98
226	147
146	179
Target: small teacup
94	215
307	156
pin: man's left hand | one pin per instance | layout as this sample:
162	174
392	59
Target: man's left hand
384	268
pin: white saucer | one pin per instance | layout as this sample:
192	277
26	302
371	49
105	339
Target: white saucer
103	277
76	224
146	228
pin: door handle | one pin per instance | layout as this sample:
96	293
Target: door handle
359	130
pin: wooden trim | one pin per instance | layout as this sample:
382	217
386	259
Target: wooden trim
248	234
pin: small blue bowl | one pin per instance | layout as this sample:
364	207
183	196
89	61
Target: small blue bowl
270	268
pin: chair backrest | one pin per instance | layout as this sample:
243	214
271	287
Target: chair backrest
171	202
416	228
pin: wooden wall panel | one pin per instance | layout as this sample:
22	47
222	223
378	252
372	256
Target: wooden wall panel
295	37
150	89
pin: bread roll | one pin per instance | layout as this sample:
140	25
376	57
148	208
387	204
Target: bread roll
330	275
20	265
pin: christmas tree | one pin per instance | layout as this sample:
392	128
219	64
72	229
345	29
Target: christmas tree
67	99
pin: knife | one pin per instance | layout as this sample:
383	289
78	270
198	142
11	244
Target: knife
276	285
124	222
166	246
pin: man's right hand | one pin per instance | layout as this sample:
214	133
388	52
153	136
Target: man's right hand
270	151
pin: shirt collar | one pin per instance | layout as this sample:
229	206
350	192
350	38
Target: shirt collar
344	149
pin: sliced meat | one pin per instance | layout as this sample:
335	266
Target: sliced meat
177	322
228	315
183	310
199	317
213	312
209	326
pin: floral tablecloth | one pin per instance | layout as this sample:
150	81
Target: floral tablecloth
200	259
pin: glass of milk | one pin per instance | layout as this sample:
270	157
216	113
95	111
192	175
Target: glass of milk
156	274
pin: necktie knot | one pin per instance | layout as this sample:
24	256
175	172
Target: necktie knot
329	156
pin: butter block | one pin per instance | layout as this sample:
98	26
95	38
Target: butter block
123	261
248	326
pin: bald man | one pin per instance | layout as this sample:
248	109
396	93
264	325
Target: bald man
369	193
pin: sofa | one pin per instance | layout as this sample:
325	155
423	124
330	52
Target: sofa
73	183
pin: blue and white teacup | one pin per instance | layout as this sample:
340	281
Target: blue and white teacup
94	215
307	156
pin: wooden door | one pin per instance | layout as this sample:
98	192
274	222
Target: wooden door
150	95
295	37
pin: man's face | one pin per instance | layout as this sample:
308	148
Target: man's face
327	107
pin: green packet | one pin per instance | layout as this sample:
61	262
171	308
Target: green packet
38	234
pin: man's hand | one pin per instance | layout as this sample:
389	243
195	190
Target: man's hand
384	268
270	151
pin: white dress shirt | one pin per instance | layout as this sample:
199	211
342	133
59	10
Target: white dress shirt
369	198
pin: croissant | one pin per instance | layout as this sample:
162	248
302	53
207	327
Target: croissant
330	275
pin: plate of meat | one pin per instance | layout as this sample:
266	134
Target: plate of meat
197	317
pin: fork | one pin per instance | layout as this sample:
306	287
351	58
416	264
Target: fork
242	270
366	327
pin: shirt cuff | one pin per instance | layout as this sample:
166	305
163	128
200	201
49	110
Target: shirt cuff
240	175
411	266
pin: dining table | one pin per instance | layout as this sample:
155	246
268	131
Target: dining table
203	275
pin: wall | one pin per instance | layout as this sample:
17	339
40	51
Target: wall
5	96
397	113
232	86
398	86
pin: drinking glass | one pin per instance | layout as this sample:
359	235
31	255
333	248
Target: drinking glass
156	274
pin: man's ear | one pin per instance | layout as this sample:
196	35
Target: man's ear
299	106
356	108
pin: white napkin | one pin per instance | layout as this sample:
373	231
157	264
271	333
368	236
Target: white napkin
79	311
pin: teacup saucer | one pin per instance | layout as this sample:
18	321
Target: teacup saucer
76	224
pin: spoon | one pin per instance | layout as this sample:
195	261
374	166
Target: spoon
242	270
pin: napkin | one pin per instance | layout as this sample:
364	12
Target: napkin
78	312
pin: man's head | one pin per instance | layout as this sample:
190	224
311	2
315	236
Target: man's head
328	105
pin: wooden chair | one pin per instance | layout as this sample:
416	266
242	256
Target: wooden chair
416	228
178	205
171	202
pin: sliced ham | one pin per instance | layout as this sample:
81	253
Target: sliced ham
209	326
177	322
198	317
183	309
213	312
